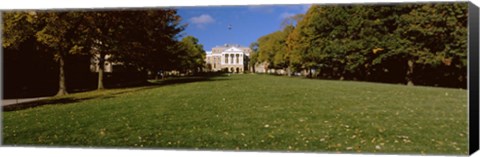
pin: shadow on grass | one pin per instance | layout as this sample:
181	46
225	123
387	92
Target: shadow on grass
184	80
100	95
52	101
68	99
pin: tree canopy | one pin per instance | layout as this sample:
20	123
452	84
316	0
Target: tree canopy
146	40
193	54
401	43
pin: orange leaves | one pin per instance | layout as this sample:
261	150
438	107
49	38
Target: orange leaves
376	50
447	61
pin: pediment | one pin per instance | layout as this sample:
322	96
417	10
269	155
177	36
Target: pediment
233	49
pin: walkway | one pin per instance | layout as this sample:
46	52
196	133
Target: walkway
6	102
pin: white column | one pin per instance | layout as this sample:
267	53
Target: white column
222	60
241	59
235	56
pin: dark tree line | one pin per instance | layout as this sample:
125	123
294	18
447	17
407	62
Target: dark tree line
143	40
422	44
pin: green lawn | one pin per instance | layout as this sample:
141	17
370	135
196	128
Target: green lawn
253	112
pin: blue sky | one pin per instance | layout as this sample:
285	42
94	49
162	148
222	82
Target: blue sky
248	23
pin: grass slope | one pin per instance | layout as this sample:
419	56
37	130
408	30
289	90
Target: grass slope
254	112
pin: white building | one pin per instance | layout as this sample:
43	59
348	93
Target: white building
107	65
230	57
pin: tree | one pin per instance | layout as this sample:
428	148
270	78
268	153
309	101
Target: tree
137	38
425	36
141	39
377	43
157	38
59	31
103	29
253	55
281	58
301	46
193	57
272	49
435	35
268	47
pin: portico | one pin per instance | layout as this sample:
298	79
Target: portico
231	58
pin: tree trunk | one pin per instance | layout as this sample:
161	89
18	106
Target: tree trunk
309	73
289	73
253	68
409	75
101	66
62	89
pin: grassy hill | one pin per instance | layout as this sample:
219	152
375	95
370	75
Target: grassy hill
252	112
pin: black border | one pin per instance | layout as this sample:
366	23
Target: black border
473	72
1	78
473	84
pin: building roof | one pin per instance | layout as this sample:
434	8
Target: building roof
229	45
233	49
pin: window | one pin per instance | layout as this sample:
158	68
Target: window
237	60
